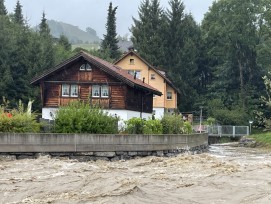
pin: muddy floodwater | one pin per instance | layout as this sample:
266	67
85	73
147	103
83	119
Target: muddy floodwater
225	174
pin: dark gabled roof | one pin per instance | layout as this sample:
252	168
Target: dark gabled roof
107	67
150	66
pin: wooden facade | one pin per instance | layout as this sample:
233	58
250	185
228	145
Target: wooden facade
94	81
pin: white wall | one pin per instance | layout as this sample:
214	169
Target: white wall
159	113
49	113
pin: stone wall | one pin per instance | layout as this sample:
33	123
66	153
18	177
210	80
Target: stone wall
86	147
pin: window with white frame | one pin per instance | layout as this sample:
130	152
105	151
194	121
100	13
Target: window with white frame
152	76
100	91
104	91
74	90
70	90
132	61
134	72
95	91
86	67
65	90
169	95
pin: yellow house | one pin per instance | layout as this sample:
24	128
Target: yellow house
141	69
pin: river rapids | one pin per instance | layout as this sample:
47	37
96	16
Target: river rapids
225	174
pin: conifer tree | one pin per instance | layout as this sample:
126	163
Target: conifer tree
182	52
18	15
3	10
148	32
110	41
47	47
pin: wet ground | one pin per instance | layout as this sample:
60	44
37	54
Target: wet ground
226	174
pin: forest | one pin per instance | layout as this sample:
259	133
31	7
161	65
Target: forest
221	64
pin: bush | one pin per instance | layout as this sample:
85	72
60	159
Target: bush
173	124
139	126
78	117
18	121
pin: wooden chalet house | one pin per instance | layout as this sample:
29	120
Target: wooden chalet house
95	81
136	65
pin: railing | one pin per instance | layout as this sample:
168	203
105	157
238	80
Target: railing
224	130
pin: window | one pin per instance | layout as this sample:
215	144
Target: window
104	91
100	91
134	72
95	91
65	90
74	90
70	90
152	76
132	61
85	66
169	95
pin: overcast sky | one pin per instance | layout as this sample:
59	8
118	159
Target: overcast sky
93	13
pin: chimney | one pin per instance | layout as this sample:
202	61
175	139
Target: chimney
131	48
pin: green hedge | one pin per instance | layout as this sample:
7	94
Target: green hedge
78	117
170	124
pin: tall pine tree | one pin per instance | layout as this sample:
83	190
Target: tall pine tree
110	41
3	10
47	46
148	32
18	14
182	52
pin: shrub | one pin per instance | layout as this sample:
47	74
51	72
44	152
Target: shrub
172	124
187	128
152	127
78	117
18	121
139	126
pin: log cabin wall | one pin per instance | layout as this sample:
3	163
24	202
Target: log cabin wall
139	101
85	80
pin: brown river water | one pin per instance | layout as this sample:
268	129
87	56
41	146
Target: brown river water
225	174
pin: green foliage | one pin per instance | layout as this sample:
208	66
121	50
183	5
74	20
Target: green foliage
18	15
139	126
172	124
152	127
210	121
110	41
135	126
149	32
3	10
263	138
17	120
78	117
226	116
236	39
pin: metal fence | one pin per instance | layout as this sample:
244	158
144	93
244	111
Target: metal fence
224	130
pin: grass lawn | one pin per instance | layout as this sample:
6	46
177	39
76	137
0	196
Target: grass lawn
263	138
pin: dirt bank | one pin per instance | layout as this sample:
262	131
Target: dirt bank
206	178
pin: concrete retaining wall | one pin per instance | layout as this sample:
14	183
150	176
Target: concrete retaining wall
108	146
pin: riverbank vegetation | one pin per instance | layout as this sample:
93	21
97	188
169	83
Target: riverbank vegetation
263	139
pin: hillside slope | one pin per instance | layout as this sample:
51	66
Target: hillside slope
73	33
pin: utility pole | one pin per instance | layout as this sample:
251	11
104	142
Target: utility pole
200	118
